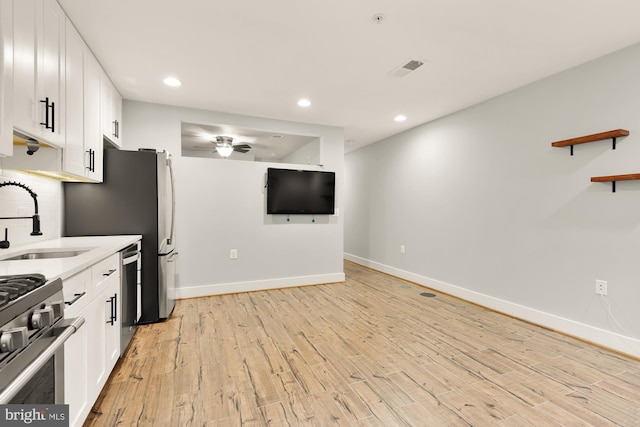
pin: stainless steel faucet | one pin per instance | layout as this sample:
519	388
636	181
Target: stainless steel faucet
35	218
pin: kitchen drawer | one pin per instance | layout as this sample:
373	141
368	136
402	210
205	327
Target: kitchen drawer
104	271
77	292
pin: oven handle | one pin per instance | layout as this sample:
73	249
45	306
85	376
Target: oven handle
130	259
70	326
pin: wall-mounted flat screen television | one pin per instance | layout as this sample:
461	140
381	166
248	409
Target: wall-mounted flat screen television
291	191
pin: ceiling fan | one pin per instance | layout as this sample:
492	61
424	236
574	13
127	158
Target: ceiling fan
225	146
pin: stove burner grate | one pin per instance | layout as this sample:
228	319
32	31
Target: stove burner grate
13	287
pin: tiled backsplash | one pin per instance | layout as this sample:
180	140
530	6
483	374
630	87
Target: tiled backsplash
15	201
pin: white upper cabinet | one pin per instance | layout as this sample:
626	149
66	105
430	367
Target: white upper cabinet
53	90
6	78
111	111
83	149
39	70
80	115
92	118
74	159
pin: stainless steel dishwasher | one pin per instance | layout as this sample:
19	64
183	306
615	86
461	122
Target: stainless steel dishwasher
129	293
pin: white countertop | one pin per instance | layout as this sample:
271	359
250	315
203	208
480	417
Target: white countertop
100	248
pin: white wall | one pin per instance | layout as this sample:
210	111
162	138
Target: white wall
221	206
489	211
308	154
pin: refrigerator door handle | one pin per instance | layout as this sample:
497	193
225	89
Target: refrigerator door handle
173	200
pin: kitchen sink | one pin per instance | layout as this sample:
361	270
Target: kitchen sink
44	254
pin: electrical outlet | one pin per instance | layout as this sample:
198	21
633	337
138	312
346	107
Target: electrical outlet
233	254
601	287
402	250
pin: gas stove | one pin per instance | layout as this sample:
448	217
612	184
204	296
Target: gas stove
32	334
28	305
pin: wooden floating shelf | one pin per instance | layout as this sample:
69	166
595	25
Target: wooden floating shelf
612	134
613	178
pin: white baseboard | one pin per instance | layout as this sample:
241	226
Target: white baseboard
256	285
601	337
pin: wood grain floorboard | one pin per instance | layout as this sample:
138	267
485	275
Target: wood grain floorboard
367	352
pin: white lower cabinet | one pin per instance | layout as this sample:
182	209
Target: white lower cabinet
92	352
76	370
112	304
105	335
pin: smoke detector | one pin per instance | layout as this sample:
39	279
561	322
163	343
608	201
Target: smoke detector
408	67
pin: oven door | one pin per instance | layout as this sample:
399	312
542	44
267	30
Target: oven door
36	375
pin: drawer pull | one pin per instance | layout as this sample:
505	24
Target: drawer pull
110	272
76	298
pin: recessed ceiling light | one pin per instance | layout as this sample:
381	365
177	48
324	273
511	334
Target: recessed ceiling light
378	18
400	118
304	102
172	81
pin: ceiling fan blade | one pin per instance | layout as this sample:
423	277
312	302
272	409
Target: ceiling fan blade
241	148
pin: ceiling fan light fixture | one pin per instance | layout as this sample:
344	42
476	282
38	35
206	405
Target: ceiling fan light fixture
224	145
224	150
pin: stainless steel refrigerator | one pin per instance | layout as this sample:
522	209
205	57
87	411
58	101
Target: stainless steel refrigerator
137	196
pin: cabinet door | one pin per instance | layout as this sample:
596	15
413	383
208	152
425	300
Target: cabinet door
25	104
97	316
76	372
39	60
106	335
92	118
116	105
111	111
51	67
73	156
112	334
6	78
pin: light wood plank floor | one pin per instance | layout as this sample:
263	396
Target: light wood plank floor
370	352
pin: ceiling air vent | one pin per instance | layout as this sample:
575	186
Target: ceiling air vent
405	69
276	137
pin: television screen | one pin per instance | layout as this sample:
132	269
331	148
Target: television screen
292	191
